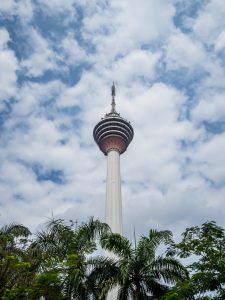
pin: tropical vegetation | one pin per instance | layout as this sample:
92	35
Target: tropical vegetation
67	261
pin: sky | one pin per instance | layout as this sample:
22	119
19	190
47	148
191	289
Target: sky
58	60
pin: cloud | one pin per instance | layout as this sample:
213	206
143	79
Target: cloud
210	22
56	6
116	29
23	9
183	51
72	52
7	6
8	66
156	116
209	161
210	107
33	97
42	57
127	68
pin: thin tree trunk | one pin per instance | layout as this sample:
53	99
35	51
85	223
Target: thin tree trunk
138	295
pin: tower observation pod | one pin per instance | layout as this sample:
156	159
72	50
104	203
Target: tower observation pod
113	134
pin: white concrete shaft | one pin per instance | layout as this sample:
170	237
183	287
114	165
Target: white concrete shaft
113	208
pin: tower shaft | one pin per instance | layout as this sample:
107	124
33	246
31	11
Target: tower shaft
113	208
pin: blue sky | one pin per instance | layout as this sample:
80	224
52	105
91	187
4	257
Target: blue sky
58	60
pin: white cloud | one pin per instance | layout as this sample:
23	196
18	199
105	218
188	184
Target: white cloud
7	6
138	63
23	9
209	161
32	96
8	66
4	38
42	57
159	13
210	22
183	51
210	107
85	94
72	52
157	136
220	41
124	26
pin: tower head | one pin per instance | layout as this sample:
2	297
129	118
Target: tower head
113	132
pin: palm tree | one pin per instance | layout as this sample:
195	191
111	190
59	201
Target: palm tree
62	253
9	235
138	271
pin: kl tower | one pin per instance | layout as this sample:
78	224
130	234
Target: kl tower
113	134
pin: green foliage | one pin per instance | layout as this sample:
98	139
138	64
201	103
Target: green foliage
47	285
57	264
15	265
207	245
138	271
62	251
182	291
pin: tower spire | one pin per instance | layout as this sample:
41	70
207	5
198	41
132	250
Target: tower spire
113	104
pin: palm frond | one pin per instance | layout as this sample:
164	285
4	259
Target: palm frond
15	230
117	244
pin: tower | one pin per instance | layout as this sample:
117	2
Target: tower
113	134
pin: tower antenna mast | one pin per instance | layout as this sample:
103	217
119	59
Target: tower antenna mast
113	89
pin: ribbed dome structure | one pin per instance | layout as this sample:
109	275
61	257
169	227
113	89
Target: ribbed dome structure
113	132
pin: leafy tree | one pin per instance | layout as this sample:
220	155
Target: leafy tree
182	291
138	271
206	243
55	265
14	267
11	236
